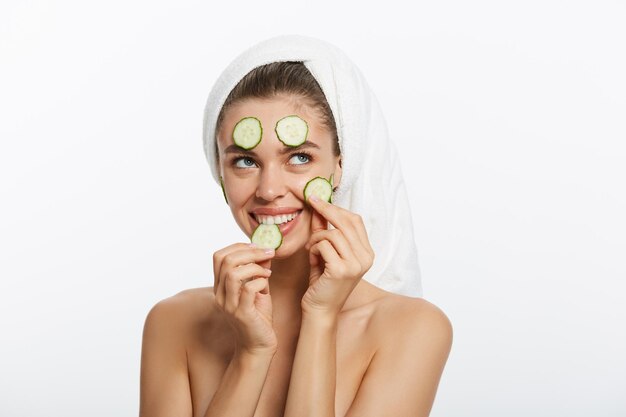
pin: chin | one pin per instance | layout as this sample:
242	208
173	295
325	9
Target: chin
287	250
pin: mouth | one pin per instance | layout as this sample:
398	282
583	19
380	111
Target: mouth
285	222
278	220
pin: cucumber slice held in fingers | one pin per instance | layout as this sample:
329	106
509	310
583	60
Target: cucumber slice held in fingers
267	236
292	130
319	186
247	132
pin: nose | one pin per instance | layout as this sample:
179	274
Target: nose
271	183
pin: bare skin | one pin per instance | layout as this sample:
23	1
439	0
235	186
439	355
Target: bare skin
387	351
204	347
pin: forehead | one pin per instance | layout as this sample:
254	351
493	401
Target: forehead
269	111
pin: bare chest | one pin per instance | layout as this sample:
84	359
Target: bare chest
356	344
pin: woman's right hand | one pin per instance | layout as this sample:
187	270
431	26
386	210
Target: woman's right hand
242	292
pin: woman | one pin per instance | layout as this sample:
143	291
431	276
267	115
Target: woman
298	331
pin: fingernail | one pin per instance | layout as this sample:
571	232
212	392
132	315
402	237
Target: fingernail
252	245
315	198
269	250
269	271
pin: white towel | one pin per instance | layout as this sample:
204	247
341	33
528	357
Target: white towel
371	183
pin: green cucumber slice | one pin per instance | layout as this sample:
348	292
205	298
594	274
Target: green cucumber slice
223	190
292	130
267	236
320	187
247	132
331	181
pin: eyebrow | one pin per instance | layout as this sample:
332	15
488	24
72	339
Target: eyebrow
284	150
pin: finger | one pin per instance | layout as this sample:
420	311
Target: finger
267	263
318	222
218	257
338	217
354	231
241	256
234	281
331	212
338	240
362	233
326	250
249	292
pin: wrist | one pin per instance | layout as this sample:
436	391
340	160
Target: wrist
254	355
321	318
247	362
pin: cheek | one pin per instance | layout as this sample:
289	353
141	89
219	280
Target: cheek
239	191
298	184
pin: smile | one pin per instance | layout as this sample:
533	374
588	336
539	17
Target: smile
284	218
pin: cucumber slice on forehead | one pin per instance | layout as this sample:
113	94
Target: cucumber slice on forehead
247	132
292	130
319	186
267	236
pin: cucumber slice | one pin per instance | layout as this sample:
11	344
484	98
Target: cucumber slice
223	190
247	132
320	187
330	180
267	236
292	130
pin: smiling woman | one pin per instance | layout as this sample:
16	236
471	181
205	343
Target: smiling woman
270	179
331	322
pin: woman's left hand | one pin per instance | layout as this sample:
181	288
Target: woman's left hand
339	257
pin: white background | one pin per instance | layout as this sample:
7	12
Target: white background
511	121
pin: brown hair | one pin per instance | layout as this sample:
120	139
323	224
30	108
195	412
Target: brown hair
285	77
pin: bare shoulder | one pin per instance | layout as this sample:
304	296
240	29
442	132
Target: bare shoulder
183	308
164	386
414	339
182	305
415	320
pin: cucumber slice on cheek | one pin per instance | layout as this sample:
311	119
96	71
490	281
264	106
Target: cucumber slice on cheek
319	186
267	236
247	133
292	130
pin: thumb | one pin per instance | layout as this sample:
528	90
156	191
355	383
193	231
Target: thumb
266	264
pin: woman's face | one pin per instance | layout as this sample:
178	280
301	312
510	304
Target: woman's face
270	178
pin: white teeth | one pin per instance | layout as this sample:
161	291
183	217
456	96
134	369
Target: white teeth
275	219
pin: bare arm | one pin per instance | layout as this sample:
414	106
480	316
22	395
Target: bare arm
313	376
404	374
164	386
165	389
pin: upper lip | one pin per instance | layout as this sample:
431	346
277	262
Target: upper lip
275	211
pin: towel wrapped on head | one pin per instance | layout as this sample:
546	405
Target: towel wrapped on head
371	184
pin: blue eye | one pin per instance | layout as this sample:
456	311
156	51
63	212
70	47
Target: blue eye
300	158
245	162
236	162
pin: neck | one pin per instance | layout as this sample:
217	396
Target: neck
289	281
